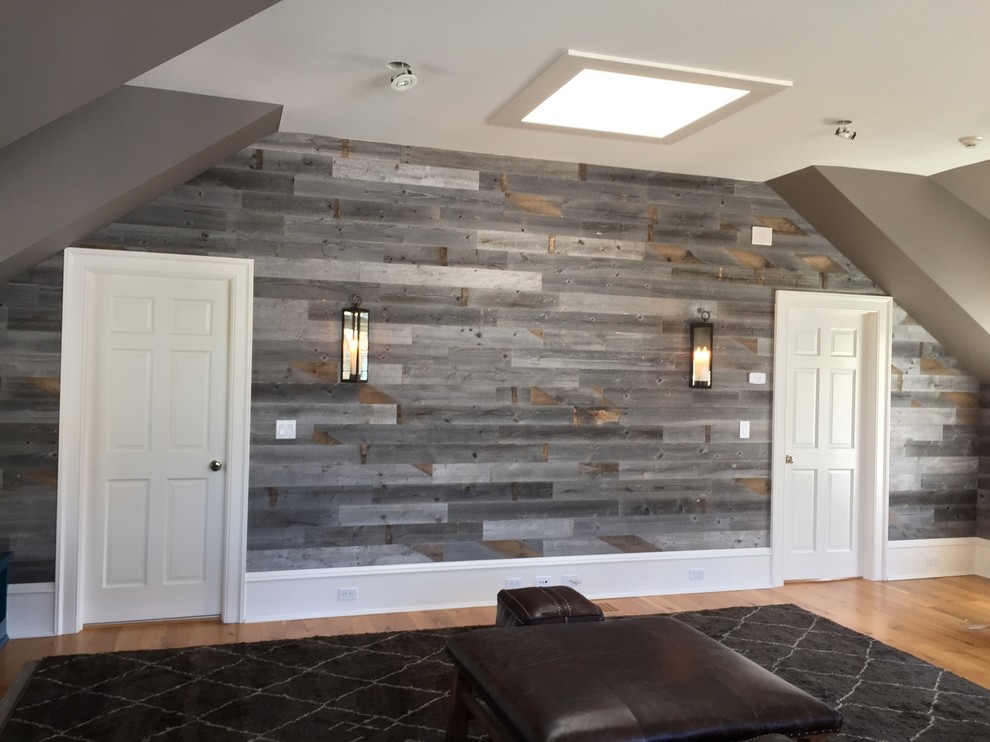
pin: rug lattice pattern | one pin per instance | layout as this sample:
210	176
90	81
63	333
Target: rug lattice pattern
394	687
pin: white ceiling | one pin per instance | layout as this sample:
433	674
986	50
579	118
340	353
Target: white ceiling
911	74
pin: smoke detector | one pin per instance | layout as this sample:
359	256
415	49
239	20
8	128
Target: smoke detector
970	141
403	79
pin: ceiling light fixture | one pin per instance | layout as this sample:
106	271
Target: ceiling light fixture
844	131
630	99
403	79
970	141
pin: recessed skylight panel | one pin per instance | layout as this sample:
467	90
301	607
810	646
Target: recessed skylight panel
626	98
630	104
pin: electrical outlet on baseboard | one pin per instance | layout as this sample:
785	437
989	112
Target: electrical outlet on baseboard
542	581
347	593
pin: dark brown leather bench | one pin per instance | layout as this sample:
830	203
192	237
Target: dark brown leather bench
527	606
647	679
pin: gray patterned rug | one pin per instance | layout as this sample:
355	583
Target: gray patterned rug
393	687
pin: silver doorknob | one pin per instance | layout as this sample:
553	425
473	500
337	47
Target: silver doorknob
788	459
216	465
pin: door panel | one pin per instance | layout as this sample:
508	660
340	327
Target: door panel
804	414
125	558
842	418
190	398
840	512
802	524
129	410
187	531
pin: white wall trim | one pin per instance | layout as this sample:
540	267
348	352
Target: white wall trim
30	609
934	557
312	593
80	266
982	557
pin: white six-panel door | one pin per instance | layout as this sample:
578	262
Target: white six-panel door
822	438
155	386
831	413
154	508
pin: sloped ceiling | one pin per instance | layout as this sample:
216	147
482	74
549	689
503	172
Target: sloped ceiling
77	147
904	200
923	240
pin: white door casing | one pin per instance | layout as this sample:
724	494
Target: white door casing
111	296
831	416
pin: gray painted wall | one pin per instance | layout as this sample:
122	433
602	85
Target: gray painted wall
529	390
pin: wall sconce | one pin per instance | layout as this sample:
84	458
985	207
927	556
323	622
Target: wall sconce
354	342
702	344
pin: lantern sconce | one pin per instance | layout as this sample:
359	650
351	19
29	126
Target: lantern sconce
354	342
702	345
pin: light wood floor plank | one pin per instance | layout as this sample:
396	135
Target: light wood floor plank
943	621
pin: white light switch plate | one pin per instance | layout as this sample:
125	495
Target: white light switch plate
744	428
755	377
285	429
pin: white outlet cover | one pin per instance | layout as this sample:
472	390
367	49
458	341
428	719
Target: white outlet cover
744	428
285	429
757	377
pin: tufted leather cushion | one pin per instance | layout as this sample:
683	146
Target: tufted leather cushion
632	680
526	606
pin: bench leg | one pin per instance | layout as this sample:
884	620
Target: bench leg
467	707
457	726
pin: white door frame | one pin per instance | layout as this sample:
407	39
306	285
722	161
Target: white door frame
873	510
80	265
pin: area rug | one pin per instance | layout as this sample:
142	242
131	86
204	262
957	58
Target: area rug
394	687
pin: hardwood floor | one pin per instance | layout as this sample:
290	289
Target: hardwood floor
945	621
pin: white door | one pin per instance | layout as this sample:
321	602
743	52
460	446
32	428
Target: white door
822	437
831	400
144	541
153	507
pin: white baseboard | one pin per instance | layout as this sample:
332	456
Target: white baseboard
982	557
313	593
31	610
933	557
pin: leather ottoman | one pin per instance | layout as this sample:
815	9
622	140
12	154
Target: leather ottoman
632	680
526	606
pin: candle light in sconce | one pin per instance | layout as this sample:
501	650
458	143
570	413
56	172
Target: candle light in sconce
354	343
702	346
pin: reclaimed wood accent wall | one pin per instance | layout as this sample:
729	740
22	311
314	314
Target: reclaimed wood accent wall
935	419
529	359
983	476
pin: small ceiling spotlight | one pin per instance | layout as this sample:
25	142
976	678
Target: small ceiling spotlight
403	79
844	131
970	141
